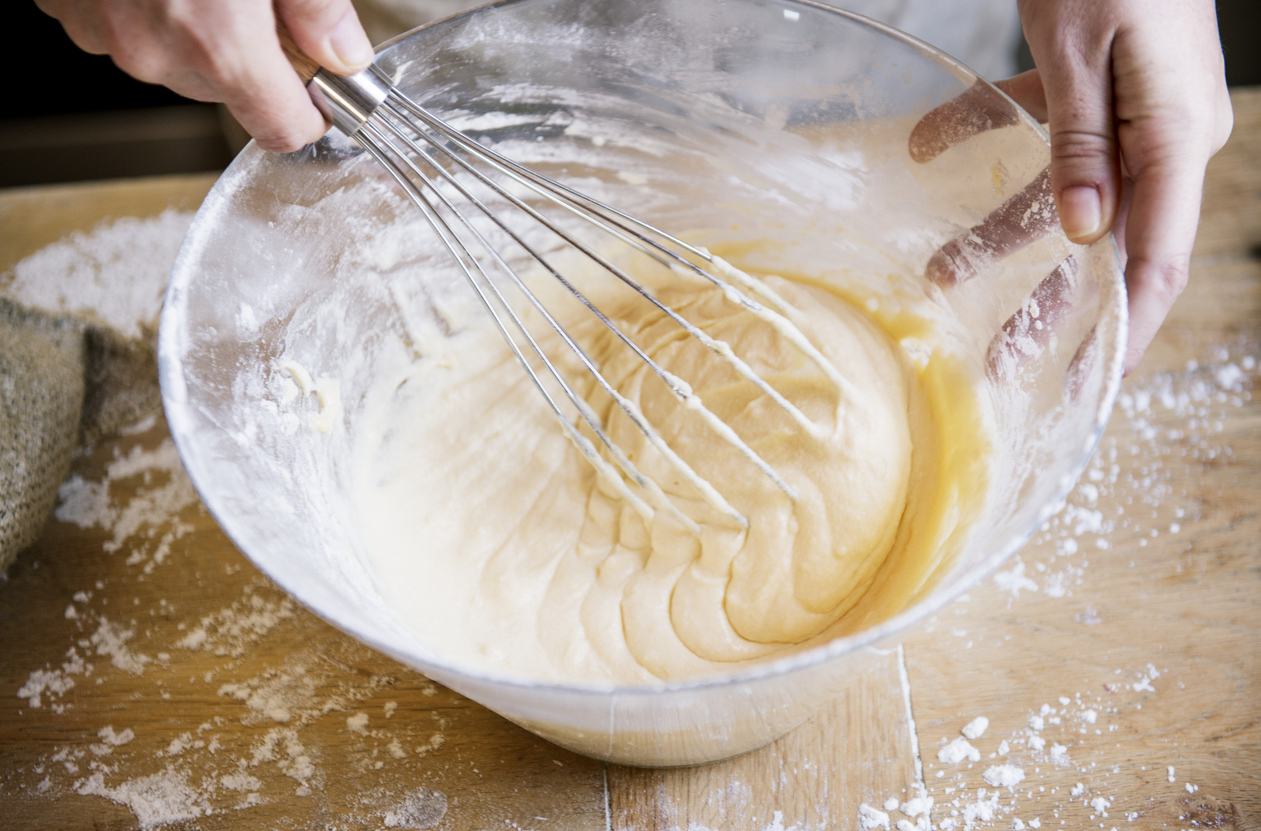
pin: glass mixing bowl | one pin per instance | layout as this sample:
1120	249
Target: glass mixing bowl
781	119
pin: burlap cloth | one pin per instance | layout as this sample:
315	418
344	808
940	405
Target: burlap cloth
65	381
41	396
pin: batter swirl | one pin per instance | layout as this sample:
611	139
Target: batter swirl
505	550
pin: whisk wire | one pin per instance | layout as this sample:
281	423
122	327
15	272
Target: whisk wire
677	386
452	242
371	110
628	407
607	218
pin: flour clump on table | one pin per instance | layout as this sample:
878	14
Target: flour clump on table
503	548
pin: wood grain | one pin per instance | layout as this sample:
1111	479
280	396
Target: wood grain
857	750
261	696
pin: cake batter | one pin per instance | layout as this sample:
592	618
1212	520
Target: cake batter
506	550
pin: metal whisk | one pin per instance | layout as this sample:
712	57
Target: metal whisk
421	151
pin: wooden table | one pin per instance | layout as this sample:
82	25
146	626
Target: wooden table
1138	627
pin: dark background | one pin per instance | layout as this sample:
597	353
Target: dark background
79	117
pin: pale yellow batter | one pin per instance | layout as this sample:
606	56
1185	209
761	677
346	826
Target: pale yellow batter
502	546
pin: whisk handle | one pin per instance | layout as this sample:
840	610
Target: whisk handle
345	101
303	65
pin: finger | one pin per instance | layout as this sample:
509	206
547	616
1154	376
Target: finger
1027	332
1026	90
1123	214
1024	218
81	22
329	32
1160	231
235	48
1042	318
1085	166
273	105
1224	118
977	110
1083	362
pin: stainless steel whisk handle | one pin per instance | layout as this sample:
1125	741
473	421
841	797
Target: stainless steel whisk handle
345	101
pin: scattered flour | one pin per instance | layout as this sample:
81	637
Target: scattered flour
157	799
1004	776
1144	682
295	762
422	808
110	639
152	506
241	782
53	683
870	818
110	740
115	274
976	728
919	806
278	695
231	630
1124	490
195	773
957	751
1014	579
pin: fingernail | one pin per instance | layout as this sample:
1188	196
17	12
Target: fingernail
350	43
1081	212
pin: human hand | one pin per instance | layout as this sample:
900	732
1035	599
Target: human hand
225	50
1135	95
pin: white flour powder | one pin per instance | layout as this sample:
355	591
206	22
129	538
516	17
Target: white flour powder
161	491
115	274
157	799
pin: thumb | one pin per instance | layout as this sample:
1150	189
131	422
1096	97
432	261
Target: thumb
329	32
1085	161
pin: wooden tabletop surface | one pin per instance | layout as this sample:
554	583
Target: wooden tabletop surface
1117	657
